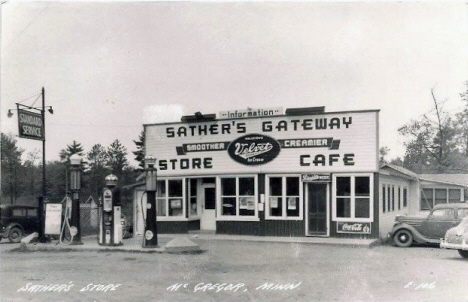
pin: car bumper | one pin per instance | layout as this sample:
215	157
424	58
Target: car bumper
456	246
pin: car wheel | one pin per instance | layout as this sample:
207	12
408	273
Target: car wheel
463	253
15	235
403	238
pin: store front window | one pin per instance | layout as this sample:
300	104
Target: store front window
192	197
353	198
238	197
283	197
169	198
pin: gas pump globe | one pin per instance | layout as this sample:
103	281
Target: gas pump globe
110	227
150	238
111	180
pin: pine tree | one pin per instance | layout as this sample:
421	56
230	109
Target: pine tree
117	158
74	148
11	167
98	170
140	153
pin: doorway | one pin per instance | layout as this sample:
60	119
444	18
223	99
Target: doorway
317	209
208	201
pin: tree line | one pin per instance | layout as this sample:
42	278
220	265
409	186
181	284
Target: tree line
21	179
436	142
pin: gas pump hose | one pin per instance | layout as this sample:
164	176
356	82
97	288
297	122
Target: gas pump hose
143	214
66	222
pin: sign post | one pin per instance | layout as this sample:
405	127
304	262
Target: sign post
31	125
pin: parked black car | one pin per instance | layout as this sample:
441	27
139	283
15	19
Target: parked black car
16	221
430	229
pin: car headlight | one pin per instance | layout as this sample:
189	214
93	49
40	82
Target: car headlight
396	222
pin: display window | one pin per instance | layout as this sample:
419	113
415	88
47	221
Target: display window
238	197
353	197
170	198
283	197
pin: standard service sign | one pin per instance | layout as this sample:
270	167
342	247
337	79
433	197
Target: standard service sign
30	125
254	149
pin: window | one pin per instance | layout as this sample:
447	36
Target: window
18	212
440	196
284	196
238	197
399	198
393	198
384	200
389	198
362	201
192	196
462	213
434	196
170	198
454	195
405	197
343	197
443	214
353	197
161	197
427	199
31	212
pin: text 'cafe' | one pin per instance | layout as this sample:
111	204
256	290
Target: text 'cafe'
268	172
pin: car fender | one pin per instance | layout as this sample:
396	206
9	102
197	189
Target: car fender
10	226
417	236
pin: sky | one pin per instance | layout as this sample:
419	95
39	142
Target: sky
109	67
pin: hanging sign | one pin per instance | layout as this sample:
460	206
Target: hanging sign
315	178
30	125
354	227
53	218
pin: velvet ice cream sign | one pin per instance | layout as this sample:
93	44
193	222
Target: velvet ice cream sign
328	142
254	149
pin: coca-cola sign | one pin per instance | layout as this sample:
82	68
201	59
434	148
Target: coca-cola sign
354	227
254	149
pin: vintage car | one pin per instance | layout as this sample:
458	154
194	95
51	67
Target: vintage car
457	238
430	229
17	220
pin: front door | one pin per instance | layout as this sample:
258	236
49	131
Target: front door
317	200
208	218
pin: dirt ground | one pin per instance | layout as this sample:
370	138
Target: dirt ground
237	271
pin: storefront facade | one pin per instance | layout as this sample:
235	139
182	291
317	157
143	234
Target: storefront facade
262	172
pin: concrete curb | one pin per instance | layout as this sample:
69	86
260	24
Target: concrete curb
39	248
369	243
181	243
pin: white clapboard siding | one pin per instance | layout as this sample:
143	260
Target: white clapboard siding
360	139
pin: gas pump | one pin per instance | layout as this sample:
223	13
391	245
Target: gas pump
110	213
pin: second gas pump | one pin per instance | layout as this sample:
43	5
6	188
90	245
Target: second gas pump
110	227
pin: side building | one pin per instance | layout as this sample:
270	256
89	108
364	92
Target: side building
266	172
403	192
